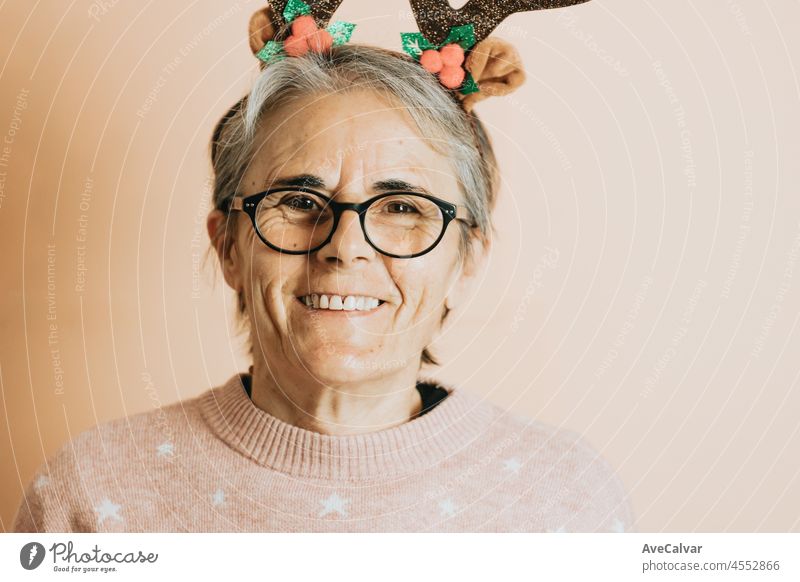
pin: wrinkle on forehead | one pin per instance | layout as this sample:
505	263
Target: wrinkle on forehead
344	139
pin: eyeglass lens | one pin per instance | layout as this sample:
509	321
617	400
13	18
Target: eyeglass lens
398	224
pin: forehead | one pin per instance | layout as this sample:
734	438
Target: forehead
358	135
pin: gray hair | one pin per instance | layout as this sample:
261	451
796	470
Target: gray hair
441	120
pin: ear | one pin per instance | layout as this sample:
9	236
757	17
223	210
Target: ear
497	69
222	233
262	28
472	269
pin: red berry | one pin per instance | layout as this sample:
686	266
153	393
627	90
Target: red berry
304	25
452	55
431	60
452	77
321	41
295	46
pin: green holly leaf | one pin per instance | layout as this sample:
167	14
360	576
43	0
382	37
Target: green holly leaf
271	52
295	8
341	32
463	35
414	43
469	85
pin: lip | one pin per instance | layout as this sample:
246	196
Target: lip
335	312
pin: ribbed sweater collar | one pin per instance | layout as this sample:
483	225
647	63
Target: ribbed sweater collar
443	431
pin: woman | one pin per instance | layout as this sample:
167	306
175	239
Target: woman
352	212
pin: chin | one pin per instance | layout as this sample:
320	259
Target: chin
349	366
338	371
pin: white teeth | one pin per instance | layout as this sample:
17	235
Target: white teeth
340	303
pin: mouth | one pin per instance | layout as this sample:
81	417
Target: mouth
332	302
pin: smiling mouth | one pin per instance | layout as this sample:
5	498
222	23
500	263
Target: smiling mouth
340	302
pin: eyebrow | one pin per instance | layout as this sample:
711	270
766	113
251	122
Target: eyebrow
301	181
312	181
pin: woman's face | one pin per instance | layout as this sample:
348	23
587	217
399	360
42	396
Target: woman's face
350	147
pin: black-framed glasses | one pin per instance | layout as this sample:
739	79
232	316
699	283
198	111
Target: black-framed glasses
298	220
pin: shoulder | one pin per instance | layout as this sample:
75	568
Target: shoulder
568	480
71	482
132	435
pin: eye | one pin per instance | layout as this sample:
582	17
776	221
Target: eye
401	207
300	202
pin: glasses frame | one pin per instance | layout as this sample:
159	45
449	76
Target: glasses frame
249	205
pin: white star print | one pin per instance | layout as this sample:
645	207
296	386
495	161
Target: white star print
107	509
218	497
166	449
42	481
512	465
618	526
447	507
334	503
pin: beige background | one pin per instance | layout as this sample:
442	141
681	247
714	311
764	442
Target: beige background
649	299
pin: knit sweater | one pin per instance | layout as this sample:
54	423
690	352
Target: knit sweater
216	462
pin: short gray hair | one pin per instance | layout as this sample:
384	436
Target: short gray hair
450	129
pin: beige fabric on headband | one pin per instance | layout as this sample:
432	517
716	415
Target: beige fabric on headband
497	68
261	29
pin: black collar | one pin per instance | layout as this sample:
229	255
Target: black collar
431	393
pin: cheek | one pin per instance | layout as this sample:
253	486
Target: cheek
423	285
265	277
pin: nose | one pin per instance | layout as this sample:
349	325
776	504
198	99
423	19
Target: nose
348	244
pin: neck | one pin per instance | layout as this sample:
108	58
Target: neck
336	409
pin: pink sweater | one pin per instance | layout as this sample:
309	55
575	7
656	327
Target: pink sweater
216	462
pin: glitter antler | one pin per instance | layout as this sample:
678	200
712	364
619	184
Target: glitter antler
436	18
455	45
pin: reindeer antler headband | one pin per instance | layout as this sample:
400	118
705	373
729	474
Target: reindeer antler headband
451	43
